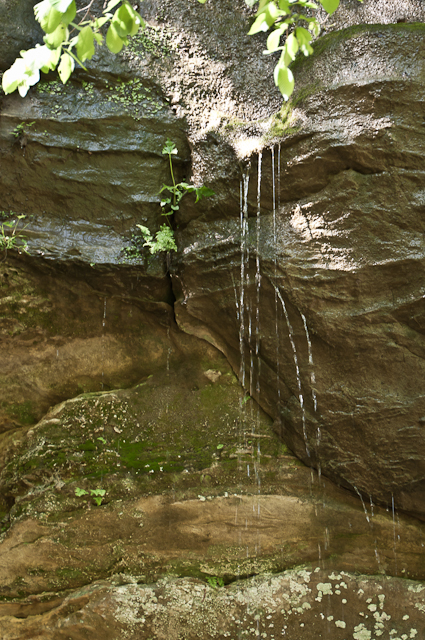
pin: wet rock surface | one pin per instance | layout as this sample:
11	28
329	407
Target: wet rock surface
341	265
316	306
62	332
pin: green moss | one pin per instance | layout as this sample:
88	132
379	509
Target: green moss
22	412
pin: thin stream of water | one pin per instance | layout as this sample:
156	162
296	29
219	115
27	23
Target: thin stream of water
363	503
244	258
395	541
258	286
297	369
310	362
103	341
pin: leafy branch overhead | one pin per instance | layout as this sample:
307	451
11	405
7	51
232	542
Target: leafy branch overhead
293	27
67	42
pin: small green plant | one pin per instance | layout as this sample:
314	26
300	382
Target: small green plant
215	582
96	494
21	129
164	239
10	238
80	492
170	204
220	446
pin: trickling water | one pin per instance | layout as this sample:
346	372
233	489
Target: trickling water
236	297
258	288
275	276
103	340
395	541
244	257
297	369
278	176
310	362
363	503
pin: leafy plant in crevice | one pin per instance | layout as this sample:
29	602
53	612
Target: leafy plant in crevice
10	238
67	42
215	582
170	204
96	494
21	129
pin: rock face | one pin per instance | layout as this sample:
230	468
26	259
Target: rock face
289	604
290	321
337	238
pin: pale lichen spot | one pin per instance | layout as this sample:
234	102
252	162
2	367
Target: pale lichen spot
325	588
361	633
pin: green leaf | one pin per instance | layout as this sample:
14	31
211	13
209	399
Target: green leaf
50	13
303	36
111	5
330	5
14	76
47	16
306	3
25	71
55	39
99	22
203	192
80	492
259	24
146	234
292	45
53	60
284	80
127	21
113	41
66	67
85	44
61	5
273	40
169	148
97	492
70	13
284	6
164	239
